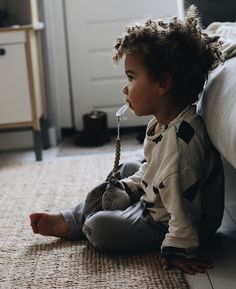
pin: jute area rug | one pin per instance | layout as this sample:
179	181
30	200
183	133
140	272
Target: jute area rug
33	261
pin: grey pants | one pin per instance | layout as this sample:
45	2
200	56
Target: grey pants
131	230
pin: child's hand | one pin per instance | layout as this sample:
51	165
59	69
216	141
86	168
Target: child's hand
189	266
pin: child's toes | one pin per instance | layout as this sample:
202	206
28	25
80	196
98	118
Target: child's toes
34	228
34	218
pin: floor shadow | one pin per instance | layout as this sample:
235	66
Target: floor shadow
53	245
221	246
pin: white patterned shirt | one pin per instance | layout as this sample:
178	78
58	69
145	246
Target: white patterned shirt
182	179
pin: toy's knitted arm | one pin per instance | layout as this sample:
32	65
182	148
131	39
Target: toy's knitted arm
93	201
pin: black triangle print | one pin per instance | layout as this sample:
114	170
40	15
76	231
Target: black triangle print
158	139
145	184
185	132
156	191
161	186
191	192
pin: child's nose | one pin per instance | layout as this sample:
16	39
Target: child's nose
125	90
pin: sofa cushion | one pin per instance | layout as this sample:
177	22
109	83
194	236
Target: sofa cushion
218	108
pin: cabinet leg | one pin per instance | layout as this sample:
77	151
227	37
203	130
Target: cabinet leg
37	144
44	132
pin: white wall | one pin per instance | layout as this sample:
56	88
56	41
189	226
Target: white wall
56	64
180	4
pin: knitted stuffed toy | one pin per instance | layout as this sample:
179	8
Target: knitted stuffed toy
110	195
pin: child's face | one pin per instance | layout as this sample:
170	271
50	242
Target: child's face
141	91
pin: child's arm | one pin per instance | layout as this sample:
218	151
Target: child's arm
181	199
180	194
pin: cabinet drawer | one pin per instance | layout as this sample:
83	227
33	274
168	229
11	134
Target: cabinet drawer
15	102
12	37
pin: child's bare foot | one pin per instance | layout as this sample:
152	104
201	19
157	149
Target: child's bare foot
49	224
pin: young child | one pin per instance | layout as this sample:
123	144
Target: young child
182	176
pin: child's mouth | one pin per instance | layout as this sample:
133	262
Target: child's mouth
126	101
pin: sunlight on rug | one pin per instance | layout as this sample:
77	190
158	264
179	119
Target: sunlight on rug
32	261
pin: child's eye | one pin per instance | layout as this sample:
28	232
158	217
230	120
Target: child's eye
130	77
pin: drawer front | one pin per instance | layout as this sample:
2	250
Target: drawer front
15	103
12	37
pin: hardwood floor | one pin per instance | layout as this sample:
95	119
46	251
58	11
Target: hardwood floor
222	250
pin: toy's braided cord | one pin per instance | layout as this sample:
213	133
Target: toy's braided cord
115	172
117	153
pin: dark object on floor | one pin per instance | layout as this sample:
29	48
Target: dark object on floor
95	131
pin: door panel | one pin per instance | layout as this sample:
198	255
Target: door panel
93	27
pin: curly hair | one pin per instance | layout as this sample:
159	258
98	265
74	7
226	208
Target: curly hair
179	47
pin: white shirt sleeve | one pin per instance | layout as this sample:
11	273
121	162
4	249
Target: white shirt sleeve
181	198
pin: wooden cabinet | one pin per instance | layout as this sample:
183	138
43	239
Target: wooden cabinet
21	77
22	93
14	81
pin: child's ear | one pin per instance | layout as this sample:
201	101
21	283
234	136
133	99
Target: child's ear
165	83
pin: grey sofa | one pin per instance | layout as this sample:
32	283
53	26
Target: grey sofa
218	109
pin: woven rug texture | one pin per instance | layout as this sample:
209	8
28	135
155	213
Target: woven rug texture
33	261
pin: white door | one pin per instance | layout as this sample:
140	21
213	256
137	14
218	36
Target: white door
93	26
